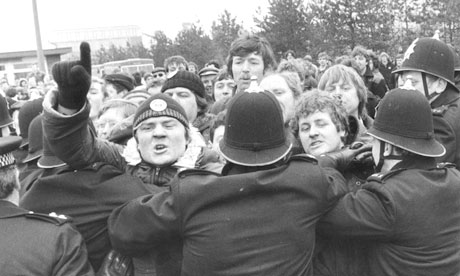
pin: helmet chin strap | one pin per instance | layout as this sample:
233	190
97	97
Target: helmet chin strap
379	166
382	157
425	88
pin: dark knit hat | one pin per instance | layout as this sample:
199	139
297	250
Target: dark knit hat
185	79
27	113
157	106
7	146
121	79
5	118
36	140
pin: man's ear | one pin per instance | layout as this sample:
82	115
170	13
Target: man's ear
440	85
388	149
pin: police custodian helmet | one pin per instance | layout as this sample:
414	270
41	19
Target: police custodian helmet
404	120
431	56
254	130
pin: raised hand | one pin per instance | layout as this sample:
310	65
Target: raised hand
74	79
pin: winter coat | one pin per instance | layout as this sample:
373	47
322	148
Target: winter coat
446	122
251	221
88	196
409	218
40	244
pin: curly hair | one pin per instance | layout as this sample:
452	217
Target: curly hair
317	100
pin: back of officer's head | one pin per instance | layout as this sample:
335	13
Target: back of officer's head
8	172
254	130
404	120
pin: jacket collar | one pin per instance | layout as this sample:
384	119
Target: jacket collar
416	162
9	210
448	96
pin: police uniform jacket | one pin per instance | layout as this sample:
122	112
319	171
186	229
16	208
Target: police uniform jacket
37	244
88	196
410	218
446	123
244	223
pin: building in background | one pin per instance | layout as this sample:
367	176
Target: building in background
16	65
96	37
19	64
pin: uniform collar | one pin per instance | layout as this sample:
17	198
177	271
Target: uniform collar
8	210
416	162
446	97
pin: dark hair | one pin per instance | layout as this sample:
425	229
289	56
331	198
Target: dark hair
289	52
218	121
202	105
175	59
214	63
11	91
117	87
137	78
190	64
248	44
8	181
223	75
360	50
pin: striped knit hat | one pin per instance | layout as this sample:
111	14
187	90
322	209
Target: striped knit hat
157	106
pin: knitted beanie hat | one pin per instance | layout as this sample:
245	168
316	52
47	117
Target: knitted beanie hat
185	79
157	106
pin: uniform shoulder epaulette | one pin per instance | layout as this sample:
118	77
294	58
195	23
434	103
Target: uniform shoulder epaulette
51	218
439	111
304	157
189	172
381	177
445	165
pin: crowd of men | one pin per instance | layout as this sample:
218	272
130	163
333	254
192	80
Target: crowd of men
255	167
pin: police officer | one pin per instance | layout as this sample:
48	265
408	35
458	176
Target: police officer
258	218
33	243
409	213
429	64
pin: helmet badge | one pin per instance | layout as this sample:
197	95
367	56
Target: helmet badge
410	50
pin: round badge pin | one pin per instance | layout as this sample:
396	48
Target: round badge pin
158	105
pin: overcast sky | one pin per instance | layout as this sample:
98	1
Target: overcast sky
17	27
